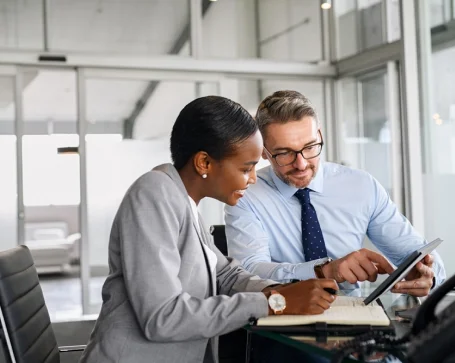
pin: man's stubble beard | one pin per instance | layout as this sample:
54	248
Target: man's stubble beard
286	178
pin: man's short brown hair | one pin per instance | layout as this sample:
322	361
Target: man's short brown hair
282	107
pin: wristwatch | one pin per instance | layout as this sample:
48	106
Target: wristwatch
277	302
318	268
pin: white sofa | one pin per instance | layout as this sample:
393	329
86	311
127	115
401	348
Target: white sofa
51	247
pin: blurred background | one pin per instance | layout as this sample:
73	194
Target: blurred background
90	89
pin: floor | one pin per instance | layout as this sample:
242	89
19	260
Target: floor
63	295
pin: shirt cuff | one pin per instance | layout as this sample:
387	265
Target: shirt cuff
305	271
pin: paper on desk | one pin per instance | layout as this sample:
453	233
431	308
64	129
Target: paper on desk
345	310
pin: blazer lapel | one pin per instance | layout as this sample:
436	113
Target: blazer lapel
211	260
170	170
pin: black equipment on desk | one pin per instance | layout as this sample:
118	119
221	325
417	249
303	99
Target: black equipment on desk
432	337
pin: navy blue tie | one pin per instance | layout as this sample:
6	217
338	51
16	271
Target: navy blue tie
312	238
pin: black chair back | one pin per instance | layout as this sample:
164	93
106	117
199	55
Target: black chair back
232	346
26	325
219	236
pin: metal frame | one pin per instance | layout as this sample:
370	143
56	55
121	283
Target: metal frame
425	73
46	25
329	119
196	28
11	71
83	207
360	120
393	105
19	131
411	117
176	63
369	60
7	338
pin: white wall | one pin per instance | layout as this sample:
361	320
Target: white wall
290	30
281	30
229	31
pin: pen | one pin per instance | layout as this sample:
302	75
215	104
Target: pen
330	290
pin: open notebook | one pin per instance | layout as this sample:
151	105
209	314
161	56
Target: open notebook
345	310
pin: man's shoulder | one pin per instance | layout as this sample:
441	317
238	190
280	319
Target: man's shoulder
264	181
334	170
260	192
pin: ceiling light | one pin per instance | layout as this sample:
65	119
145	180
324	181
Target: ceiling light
326	4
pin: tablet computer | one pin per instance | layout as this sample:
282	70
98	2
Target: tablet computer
402	270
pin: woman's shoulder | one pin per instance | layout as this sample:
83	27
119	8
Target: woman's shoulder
155	184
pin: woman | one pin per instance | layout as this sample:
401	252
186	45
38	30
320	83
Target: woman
160	301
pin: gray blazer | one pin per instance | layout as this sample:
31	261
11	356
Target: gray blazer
165	299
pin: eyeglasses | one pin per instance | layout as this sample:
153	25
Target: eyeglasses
289	157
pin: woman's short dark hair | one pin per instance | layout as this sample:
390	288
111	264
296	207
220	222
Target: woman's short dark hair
212	124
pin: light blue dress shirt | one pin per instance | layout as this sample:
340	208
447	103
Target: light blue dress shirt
264	229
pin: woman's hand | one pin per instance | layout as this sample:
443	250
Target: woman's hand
306	297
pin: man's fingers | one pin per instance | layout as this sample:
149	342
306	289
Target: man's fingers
359	272
428	260
379	259
369	267
381	270
349	276
424	270
413	292
419	287
412	285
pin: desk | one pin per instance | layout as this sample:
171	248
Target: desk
308	344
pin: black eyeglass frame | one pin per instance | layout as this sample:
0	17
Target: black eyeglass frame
274	156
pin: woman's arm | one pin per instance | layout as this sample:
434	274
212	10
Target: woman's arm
148	225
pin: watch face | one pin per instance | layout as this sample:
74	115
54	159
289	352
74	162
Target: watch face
277	302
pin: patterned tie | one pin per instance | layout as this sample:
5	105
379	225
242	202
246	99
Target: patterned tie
312	238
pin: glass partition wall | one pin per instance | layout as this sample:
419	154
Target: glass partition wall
369	128
85	135
8	160
126	123
69	132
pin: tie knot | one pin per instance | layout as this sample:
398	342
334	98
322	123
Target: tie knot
303	195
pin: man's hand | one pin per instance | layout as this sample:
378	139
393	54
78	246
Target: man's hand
360	265
306	297
419	280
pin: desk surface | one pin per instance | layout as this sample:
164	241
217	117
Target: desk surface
391	303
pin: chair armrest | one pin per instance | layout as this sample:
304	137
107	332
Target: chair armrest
73	237
71	348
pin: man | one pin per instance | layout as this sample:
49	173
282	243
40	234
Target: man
305	219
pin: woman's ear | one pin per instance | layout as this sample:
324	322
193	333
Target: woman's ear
202	163
264	154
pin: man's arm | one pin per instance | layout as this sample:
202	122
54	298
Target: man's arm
249	243
396	238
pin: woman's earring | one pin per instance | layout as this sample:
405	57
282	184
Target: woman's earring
204	176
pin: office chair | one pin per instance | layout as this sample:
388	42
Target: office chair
219	237
27	335
232	346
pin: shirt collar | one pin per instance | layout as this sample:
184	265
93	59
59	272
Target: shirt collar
316	185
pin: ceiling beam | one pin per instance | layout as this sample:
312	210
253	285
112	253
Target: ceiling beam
128	124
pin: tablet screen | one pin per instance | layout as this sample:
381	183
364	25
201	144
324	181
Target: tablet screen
402	270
